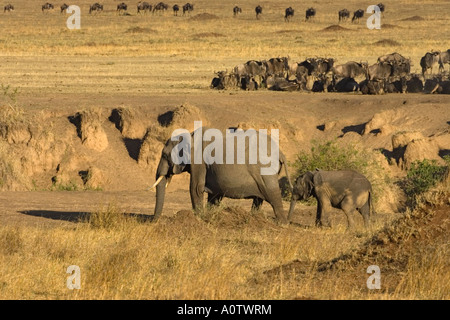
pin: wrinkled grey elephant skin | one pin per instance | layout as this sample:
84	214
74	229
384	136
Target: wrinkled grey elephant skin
238	181
347	190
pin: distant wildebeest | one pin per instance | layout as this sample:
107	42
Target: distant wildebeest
122	7
397	86
175	9
344	14
277	66
96	7
258	11
414	84
380	70
357	15
351	69
64	7
317	66
437	84
9	8
144	7
444	58
289	12
225	80
372	86
382	7
346	85
429	61
236	10
310	13
393	58
160	7
188	8
47	6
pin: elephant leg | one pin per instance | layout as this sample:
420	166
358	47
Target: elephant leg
365	212
348	206
323	209
257	203
214	199
197	186
272	194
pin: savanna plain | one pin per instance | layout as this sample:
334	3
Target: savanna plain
84	115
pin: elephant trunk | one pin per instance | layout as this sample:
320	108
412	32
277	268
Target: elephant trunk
292	206
161	176
160	195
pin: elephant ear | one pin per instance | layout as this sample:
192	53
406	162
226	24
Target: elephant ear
308	181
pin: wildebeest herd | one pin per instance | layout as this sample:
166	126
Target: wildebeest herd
143	7
390	74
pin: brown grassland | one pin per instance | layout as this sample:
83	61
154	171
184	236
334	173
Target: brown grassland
64	201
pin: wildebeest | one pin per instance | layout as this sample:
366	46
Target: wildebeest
393	58
429	61
9	8
275	83
258	11
437	84
188	8
357	15
346	85
225	80
276	66
397	86
414	84
351	69
380	70
160	7
122	7
47	6
175	9
236	10
64	7
144	7
289	12
96	7
444	58
317	66
372	86
344	14
382	7
310	13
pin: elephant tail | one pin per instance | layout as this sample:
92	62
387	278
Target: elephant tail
372	211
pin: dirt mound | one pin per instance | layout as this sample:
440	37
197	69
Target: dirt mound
140	30
413	18
89	128
182	117
129	122
334	28
204	16
208	35
387	43
389	26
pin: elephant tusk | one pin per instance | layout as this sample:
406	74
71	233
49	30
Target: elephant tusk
156	183
168	181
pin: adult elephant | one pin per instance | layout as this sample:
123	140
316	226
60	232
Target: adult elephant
345	189
231	180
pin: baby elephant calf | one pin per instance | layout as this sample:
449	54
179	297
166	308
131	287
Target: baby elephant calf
346	189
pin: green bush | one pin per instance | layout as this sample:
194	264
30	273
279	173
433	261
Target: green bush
329	155
423	175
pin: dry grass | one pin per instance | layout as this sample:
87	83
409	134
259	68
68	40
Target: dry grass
229	254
